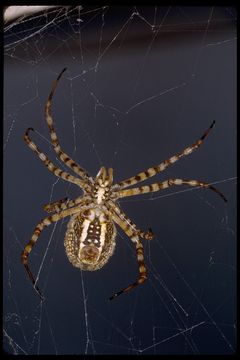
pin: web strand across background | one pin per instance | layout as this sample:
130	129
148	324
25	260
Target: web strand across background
141	84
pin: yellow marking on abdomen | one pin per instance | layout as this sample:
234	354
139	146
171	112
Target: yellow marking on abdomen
85	226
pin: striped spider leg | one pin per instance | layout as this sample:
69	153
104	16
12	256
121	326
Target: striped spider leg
56	206
163	165
77	205
134	234
49	164
120	192
54	138
165	184
159	168
63	204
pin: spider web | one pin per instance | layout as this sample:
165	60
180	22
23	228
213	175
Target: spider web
142	83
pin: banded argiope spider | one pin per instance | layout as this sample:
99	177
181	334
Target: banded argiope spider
91	232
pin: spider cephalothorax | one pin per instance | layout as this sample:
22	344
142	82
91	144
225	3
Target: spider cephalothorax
102	185
91	232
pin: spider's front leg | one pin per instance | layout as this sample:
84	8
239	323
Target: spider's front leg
54	138
49	164
166	184
152	171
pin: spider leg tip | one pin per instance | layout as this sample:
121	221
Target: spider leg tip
26	134
213	123
58	78
114	296
150	234
29	129
63	70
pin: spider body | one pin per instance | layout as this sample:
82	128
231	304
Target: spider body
90	237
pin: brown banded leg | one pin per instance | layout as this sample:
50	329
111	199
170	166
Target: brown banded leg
140	256
66	204
164	185
141	268
38	229
128	226
158	168
49	164
54	139
56	206
28	249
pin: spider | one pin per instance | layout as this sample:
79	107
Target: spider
90	237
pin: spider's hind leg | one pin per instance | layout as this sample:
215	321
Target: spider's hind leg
127	225
133	233
37	231
141	268
149	235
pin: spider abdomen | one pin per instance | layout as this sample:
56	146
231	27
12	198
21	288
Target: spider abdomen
90	239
